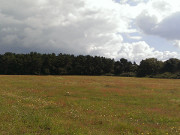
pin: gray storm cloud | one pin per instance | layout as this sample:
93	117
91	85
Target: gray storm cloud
167	28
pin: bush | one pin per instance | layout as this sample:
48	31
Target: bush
128	74
109	74
167	75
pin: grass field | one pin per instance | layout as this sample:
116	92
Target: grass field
80	105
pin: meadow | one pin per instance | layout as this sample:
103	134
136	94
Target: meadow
89	105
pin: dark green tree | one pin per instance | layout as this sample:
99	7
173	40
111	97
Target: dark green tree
149	66
172	65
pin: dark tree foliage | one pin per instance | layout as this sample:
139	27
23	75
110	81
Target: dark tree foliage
149	66
172	65
64	64
124	66
51	64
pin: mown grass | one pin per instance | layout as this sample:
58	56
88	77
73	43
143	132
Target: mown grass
79	105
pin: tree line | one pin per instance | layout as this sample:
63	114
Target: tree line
65	64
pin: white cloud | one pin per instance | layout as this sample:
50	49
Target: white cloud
135	37
81	27
176	43
141	50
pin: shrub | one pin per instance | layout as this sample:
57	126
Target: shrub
128	74
167	75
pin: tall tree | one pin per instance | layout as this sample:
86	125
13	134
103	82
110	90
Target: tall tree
149	66
172	65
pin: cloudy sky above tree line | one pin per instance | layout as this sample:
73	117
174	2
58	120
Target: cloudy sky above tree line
133	29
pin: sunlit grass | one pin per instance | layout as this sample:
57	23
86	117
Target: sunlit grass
88	105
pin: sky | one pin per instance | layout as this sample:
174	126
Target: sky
131	29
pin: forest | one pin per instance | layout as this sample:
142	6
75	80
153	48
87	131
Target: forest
65	64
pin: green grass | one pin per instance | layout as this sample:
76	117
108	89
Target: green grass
79	105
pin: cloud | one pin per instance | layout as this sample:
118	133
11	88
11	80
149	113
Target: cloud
161	5
141	50
146	22
167	28
64	26
131	2
161	18
78	27
135	37
176	43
